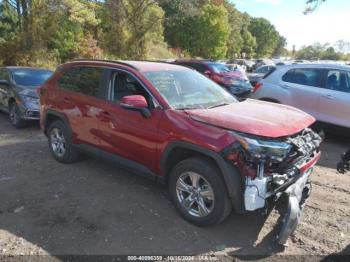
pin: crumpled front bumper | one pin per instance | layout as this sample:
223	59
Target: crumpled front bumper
296	194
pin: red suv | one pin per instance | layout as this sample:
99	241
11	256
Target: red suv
177	126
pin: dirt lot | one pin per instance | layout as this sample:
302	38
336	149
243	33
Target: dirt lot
94	207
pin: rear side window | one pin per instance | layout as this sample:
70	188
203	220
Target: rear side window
303	76
85	80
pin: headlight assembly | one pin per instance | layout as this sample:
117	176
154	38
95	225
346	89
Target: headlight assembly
264	148
29	101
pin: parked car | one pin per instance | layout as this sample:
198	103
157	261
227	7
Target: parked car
319	89
262	62
245	63
235	81
259	73
18	96
175	125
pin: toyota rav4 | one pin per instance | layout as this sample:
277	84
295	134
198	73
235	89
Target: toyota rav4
177	126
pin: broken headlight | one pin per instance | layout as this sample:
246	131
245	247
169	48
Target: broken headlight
264	148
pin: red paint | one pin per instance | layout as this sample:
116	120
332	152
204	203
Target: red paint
256	118
310	164
111	127
134	101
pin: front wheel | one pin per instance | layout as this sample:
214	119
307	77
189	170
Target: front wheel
198	192
15	117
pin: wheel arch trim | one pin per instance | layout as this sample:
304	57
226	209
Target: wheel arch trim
233	180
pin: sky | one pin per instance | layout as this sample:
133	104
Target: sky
329	23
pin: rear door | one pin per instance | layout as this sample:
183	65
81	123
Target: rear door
334	101
302	88
80	94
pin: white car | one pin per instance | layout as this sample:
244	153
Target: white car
322	90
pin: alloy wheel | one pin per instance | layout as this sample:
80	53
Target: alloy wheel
195	194
58	142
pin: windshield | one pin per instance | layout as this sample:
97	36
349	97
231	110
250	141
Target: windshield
30	77
219	68
188	89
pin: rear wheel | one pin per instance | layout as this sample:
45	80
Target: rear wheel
60	143
198	192
15	117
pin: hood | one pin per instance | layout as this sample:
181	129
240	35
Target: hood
256	118
27	90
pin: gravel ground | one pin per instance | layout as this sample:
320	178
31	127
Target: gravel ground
95	207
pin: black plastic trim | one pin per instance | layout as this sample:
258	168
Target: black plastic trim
137	168
232	178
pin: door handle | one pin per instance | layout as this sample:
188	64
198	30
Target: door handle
285	86
66	99
328	96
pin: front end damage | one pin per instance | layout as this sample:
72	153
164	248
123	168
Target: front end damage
275	169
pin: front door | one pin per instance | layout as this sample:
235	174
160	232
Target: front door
128	133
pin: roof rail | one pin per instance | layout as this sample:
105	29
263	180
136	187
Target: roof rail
102	60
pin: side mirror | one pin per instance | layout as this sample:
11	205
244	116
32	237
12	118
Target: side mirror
4	82
137	103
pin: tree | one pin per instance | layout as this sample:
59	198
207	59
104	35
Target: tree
280	47
8	21
266	36
249	44
213	31
312	5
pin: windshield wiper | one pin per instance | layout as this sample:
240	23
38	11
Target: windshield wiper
218	105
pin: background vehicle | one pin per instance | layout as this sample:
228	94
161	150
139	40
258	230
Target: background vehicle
261	62
245	63
175	125
18	95
235	81
259	73
322	90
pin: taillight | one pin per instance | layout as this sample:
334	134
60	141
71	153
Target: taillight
257	86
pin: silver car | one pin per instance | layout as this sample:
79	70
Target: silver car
322	90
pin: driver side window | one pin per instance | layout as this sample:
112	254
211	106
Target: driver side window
124	84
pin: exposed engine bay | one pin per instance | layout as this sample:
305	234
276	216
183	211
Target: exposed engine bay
276	168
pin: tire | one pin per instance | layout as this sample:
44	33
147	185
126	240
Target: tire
60	143
15	117
217	203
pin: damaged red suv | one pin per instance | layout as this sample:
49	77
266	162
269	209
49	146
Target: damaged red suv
177	126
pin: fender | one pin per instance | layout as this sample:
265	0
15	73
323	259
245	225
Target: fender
233	180
59	115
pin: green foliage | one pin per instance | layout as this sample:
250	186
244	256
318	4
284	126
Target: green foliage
46	32
266	36
212	32
8	22
319	51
